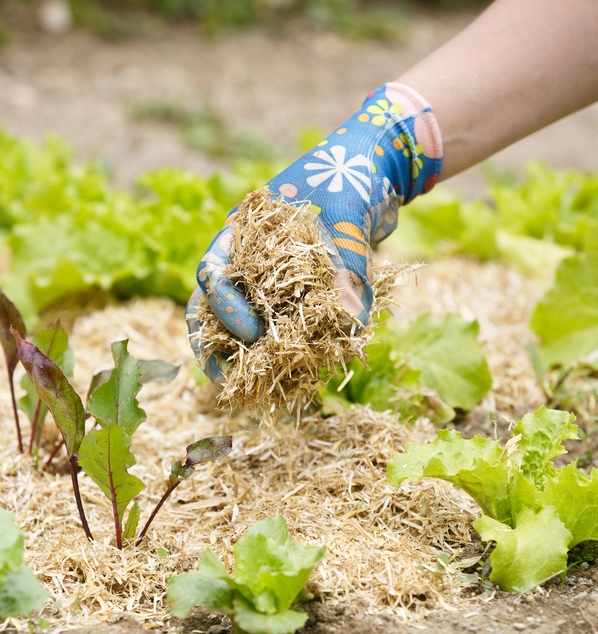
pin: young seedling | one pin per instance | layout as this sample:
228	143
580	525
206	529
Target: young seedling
569	387
53	342
104	452
60	398
10	317
201	451
271	570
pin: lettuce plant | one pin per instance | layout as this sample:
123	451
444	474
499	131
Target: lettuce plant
104	452
534	224
20	590
534	512
428	367
271	570
566	318
96	238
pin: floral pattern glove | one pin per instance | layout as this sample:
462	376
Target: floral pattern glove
355	181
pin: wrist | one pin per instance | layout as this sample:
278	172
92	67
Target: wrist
409	149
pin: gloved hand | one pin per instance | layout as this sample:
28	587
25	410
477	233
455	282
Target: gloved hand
355	180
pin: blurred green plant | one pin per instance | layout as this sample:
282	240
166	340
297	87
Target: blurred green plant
566	322
426	368
203	130
534	224
355	19
65	231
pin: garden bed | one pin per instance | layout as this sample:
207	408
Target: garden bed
327	477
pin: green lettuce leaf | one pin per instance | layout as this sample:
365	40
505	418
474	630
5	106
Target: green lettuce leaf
271	571
542	435
253	622
449	357
529	553
21	593
532	224
566	319
475	465
12	541
531	255
425	369
574	495
273	565
20	590
210	586
534	512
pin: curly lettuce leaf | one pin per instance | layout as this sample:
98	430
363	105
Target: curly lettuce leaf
533	224
542	434
68	232
475	465
534	512
526	555
574	495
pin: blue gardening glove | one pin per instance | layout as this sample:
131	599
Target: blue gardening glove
382	157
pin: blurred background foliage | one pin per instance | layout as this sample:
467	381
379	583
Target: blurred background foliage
355	19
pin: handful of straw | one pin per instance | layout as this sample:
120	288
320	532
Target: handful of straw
282	265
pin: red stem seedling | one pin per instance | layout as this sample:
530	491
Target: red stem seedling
11	318
56	392
203	450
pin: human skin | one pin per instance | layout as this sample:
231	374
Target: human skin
521	65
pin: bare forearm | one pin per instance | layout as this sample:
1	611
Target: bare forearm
518	67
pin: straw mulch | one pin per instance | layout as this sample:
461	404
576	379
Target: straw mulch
279	261
326	476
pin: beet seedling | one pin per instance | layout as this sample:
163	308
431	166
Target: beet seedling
104	452
11	318
53	343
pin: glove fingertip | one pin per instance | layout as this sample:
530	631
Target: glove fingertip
238	317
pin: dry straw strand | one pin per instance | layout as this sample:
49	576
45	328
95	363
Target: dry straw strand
279	260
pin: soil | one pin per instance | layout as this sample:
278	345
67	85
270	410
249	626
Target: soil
82	88
564	609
